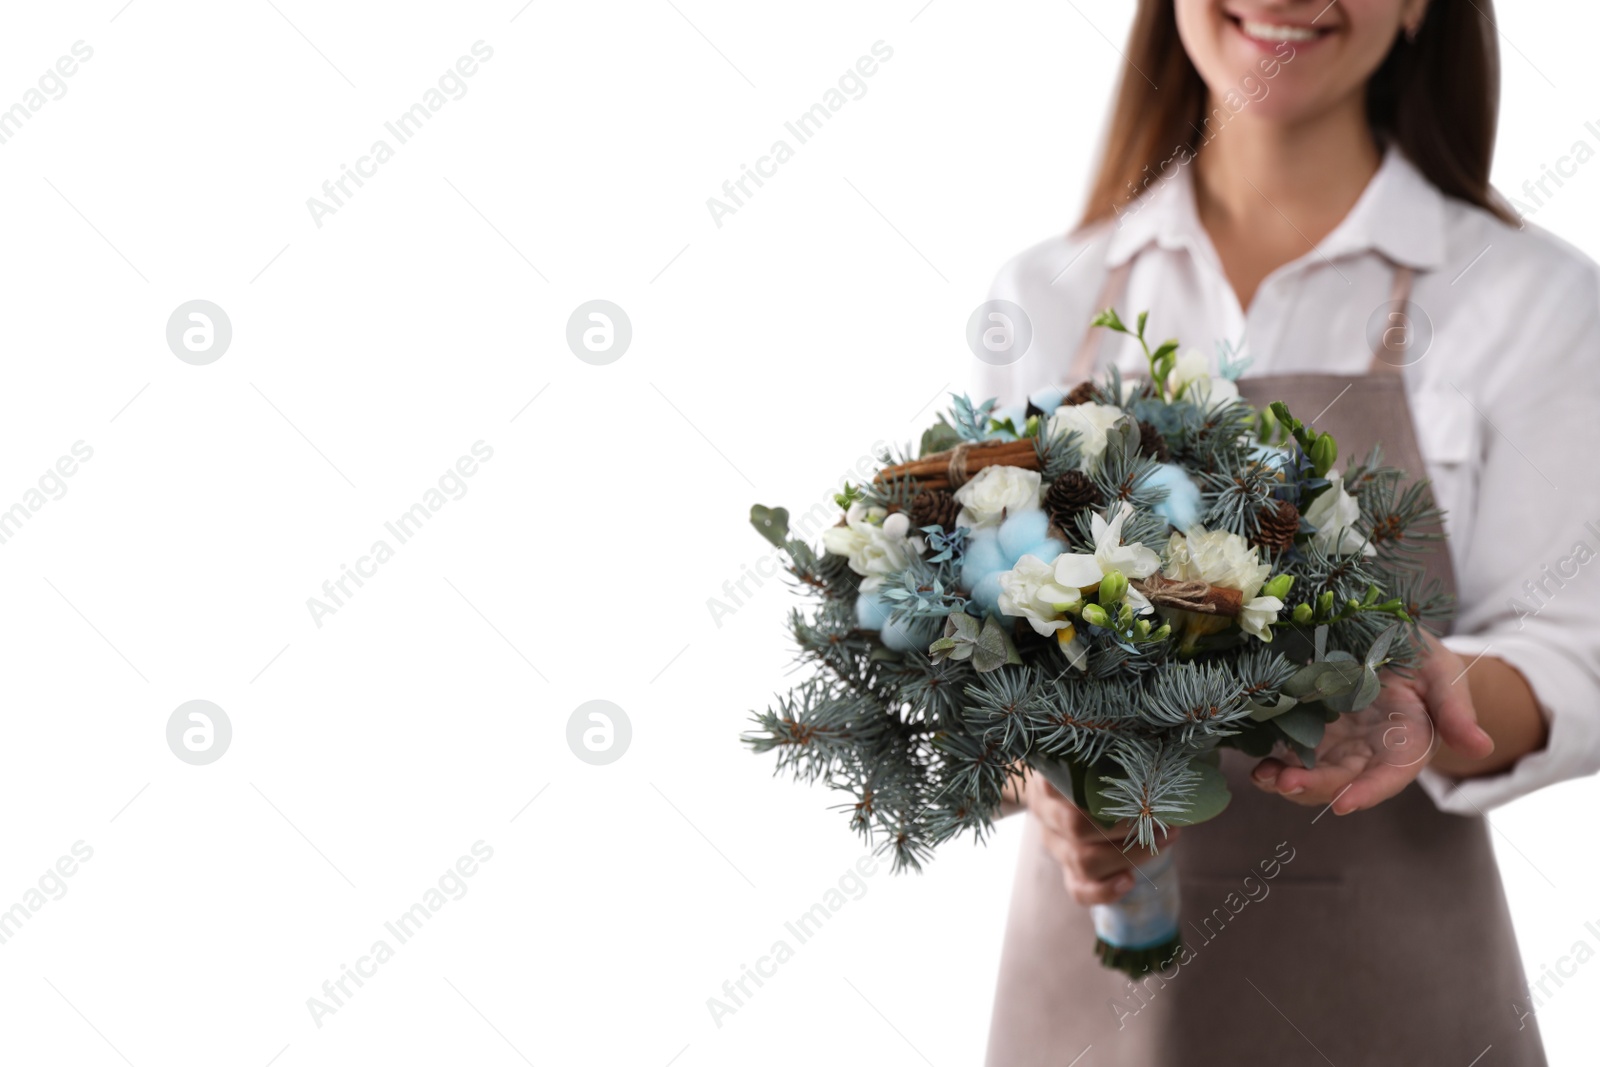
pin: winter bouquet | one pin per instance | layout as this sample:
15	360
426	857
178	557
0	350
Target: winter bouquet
1105	587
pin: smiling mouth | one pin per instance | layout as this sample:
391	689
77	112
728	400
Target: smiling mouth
1274	32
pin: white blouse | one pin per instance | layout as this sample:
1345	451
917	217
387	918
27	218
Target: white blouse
1506	398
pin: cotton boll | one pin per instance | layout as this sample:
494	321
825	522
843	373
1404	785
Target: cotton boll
986	593
1181	508
872	613
1048	398
1021	530
1046	550
983	557
899	636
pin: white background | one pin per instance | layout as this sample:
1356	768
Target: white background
371	752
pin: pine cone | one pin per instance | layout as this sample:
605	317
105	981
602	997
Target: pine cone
1152	444
1068	495
1277	525
934	507
1082	393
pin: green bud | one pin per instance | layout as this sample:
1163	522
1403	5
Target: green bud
1302	613
1142	628
1279	586
1113	587
1353	605
1125	616
1325	603
1163	633
1095	615
1323	452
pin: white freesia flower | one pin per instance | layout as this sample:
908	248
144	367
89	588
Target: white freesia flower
1191	376
1091	422
1258	616
1217	557
1191	365
1029	590
1081	570
1335	514
876	543
995	493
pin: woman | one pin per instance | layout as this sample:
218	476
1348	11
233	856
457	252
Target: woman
1309	183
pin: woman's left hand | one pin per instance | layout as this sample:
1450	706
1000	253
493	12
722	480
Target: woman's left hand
1368	756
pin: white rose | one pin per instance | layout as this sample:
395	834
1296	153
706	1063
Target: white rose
1335	514
995	493
1218	557
875	543
1091	422
1213	393
1029	590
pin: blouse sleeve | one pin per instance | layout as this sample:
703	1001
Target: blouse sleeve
1530	581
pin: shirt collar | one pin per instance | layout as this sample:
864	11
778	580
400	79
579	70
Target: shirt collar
1400	215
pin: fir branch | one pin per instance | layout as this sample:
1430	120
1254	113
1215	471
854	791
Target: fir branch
1155	785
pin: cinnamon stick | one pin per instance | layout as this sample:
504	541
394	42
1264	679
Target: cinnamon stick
933	472
1198	597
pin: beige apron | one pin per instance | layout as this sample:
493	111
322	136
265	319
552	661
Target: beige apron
1380	937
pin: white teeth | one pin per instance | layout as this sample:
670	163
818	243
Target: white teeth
1272	31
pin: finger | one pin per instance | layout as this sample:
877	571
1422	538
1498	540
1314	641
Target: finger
1371	787
1084	827
1087	861
1449	700
1089	893
1266	773
1100	862
1318	785
1052	812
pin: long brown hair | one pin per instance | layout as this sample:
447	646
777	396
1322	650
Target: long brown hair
1436	98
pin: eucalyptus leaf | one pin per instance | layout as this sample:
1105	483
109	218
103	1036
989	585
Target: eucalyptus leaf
1210	796
1263	712
771	523
1380	647
1319	681
1302	725
993	649
1094	798
1364	692
939	437
1308	756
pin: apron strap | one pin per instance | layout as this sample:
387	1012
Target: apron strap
1388	351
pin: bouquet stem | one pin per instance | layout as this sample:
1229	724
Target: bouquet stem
1139	933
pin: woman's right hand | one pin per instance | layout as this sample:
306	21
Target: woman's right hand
1094	866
